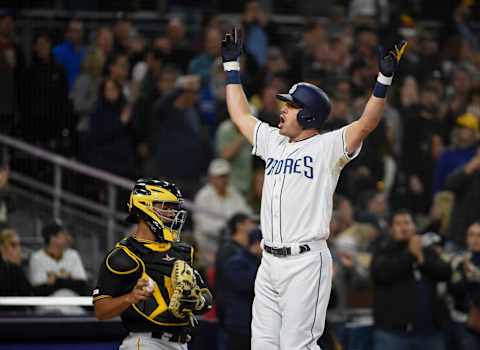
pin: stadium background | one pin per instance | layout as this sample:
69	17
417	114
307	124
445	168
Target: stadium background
69	157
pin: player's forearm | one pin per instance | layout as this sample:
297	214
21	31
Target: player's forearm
360	129
108	308
237	103
372	114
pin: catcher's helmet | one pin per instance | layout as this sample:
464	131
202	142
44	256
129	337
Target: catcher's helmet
159	204
314	102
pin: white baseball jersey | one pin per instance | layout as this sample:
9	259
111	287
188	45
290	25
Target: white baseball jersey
300	180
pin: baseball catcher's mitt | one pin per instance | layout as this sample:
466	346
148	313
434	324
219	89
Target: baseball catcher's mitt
187	296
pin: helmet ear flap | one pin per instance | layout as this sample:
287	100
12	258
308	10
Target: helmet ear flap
304	118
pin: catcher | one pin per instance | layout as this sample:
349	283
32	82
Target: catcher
148	278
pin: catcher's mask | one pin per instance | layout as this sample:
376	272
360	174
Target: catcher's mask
159	204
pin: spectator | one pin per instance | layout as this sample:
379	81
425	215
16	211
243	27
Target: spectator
111	147
6	198
260	32
232	146
465	290
424	127
408	311
85	90
459	95
122	33
116	69
104	41
239	276
439	218
201	64
221	198
277	64
180	48
269	109
374	205
145	75
13	281
143	117
57	266
12	64
465	185
238	228
175	137
464	139
46	109
302	54
70	53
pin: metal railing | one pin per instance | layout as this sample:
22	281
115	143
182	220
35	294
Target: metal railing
113	182
59	194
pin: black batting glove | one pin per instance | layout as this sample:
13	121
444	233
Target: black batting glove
388	62
231	50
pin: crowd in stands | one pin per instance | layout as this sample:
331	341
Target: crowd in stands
405	231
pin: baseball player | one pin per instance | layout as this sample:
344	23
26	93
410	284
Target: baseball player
147	278
302	167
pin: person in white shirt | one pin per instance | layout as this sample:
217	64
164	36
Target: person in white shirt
56	267
218	197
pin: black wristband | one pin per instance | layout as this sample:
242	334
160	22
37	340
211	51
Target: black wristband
380	90
233	77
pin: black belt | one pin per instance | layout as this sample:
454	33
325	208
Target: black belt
285	251
172	337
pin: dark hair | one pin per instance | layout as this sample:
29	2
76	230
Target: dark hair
235	220
120	103
402	211
52	228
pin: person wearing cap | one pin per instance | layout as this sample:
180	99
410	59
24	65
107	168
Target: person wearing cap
57	267
218	197
302	168
464	140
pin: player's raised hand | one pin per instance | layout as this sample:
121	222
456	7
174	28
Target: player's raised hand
231	46
388	61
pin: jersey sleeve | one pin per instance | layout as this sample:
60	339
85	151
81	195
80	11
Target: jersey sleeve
264	137
117	276
337	148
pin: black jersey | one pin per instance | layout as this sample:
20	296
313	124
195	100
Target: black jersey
134	258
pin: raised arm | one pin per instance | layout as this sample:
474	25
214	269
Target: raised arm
237	103
357	131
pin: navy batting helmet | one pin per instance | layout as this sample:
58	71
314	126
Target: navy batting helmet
314	102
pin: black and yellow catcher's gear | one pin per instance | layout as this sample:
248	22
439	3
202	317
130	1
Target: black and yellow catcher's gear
159	204
188	297
133	258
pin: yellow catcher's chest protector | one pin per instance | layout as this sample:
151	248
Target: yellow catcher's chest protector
155	261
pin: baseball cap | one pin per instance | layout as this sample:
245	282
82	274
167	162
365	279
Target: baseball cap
218	167
468	120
